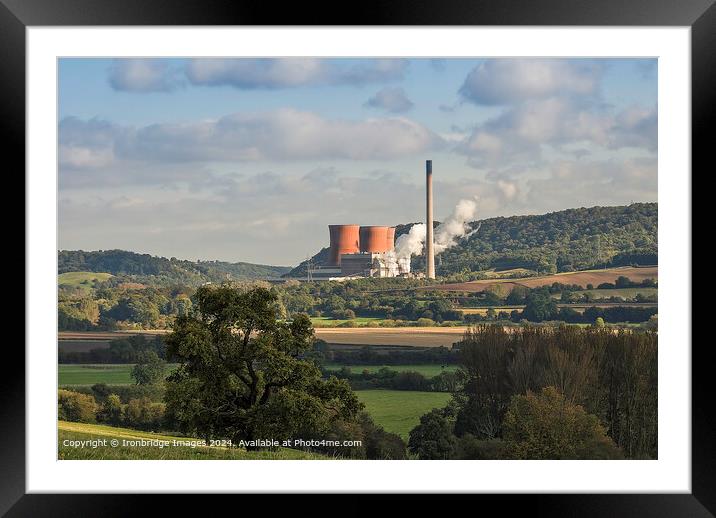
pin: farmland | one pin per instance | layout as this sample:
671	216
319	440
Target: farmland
111	374
406	336
130	451
427	370
582	278
399	411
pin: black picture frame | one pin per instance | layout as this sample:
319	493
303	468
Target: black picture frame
700	15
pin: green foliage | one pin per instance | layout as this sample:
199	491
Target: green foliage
110	411
612	374
142	267
144	414
242	373
547	426
471	448
540	306
149	369
433	438
74	406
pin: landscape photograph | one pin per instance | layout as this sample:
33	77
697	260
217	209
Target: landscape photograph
357	259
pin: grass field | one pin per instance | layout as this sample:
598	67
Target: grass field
399	411
127	451
82	279
625	293
427	370
111	374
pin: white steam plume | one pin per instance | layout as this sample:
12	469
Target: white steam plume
446	234
455	226
411	243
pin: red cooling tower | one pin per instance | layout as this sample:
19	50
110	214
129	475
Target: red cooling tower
344	240
391	238
373	239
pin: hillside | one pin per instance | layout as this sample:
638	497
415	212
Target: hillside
145	267
568	240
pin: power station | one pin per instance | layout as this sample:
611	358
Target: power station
369	251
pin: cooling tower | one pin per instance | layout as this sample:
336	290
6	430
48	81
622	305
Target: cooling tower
374	239
390	241
344	240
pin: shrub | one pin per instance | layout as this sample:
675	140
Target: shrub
111	411
73	406
547	426
425	322
470	447
143	414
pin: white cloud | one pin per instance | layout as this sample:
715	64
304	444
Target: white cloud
512	80
279	135
521	133
142	75
393	100
271	73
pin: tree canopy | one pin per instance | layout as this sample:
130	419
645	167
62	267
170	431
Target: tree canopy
242	373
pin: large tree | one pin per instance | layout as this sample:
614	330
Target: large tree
242	374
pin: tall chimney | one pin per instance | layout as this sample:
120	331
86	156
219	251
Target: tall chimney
429	220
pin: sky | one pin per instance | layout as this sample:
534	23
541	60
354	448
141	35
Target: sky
251	159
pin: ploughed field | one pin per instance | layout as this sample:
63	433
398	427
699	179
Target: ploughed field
406	336
582	278
138	445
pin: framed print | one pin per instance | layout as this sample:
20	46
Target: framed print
422	253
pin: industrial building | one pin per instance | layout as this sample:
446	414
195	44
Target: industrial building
360	251
369	251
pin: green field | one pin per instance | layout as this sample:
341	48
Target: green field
335	322
427	370
399	411
82	280
83	432
625	293
111	374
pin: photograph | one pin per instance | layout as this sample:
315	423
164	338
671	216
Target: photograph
358	258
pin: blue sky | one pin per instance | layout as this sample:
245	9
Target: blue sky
251	159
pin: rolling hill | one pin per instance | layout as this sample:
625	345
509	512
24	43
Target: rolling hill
145	267
564	241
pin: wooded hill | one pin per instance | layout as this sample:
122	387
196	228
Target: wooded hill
160	270
573	239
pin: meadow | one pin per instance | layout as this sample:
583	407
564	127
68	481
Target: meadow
111	374
82	280
85	432
399	411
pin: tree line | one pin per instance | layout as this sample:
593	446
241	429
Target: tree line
535	392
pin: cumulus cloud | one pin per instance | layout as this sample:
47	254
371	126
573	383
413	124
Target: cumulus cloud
393	100
512	80
522	132
183	149
274	73
86	144
143	75
285	134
